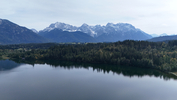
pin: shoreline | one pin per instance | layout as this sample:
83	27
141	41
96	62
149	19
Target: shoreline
174	73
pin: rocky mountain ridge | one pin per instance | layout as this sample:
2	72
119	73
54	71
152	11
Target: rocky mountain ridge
93	30
108	33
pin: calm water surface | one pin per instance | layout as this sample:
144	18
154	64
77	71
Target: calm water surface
68	81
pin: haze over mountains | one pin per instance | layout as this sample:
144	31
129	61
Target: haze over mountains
163	38
11	33
156	35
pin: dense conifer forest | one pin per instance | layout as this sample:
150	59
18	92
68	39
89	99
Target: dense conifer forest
162	56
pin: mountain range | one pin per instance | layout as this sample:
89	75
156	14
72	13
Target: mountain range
109	33
11	33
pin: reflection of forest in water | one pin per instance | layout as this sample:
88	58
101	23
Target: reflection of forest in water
124	70
6	65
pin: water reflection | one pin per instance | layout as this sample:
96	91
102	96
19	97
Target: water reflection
124	70
53	80
6	65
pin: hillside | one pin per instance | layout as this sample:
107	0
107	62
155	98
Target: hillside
163	38
59	36
11	33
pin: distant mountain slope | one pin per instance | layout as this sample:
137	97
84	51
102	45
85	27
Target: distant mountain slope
120	32
121	37
109	33
57	35
35	31
163	38
11	33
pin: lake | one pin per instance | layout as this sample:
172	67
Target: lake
59	80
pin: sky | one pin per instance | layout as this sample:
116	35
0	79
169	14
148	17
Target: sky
151	16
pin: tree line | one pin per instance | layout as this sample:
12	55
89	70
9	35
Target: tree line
162	56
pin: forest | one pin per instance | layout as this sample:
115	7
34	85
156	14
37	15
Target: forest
157	55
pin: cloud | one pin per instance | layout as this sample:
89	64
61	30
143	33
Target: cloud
148	15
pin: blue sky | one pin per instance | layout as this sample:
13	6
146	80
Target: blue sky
151	16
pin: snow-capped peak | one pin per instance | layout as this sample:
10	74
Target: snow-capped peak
110	24
34	30
96	30
85	25
119	27
87	29
62	26
163	34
